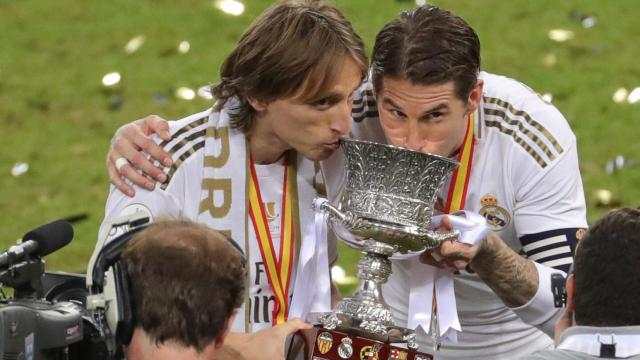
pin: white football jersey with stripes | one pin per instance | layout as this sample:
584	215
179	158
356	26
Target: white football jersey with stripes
525	181
180	196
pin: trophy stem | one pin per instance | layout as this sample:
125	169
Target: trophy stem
366	310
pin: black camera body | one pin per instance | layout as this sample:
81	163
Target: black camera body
37	329
49	317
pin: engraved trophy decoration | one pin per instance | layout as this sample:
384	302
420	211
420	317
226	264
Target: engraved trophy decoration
384	210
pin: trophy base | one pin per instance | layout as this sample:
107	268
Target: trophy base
321	343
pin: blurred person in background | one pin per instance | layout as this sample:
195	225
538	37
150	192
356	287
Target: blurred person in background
519	171
181	314
248	166
602	318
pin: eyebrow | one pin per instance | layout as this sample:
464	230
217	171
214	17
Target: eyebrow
441	106
331	95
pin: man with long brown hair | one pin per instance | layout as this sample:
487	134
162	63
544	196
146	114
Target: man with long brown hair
247	166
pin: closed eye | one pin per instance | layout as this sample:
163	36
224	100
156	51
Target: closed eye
326	102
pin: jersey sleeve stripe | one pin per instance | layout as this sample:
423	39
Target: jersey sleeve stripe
371	114
365	102
518	140
527	118
560	239
558	263
552	252
184	129
185	141
177	162
501	115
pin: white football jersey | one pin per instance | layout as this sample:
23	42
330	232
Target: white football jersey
526	182
180	196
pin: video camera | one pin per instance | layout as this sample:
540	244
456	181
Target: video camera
60	316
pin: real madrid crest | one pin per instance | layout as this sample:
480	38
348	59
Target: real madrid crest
497	217
324	341
345	349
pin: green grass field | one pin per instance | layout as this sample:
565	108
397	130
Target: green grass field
57	117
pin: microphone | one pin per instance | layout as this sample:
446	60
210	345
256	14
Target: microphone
39	242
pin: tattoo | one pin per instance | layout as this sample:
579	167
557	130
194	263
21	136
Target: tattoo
513	278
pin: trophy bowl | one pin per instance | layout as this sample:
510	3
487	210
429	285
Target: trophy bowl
389	196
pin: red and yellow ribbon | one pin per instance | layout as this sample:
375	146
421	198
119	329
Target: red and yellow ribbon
460	178
278	269
458	189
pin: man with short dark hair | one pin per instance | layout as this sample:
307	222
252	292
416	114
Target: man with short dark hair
602	319
518	169
180	314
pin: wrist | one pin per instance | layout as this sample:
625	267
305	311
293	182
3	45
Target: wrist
488	252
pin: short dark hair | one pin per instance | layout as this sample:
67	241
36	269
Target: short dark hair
294	46
607	285
428	46
186	280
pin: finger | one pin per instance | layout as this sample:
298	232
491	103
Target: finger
116	179
158	125
130	173
137	135
460	264
132	153
294	325
454	250
427	258
446	222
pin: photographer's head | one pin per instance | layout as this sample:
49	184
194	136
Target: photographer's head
187	281
604	288
425	67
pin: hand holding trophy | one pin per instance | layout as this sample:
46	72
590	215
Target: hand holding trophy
384	210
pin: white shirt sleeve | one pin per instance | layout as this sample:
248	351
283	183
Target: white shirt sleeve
552	199
156	203
540	311
180	196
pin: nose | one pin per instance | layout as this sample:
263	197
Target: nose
413	138
341	123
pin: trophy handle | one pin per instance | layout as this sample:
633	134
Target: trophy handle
347	218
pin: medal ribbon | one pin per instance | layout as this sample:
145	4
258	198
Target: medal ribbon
460	179
458	191
278	269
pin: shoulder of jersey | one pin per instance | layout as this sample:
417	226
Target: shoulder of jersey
364	103
187	138
513	110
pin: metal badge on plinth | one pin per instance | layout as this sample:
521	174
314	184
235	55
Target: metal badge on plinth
384	210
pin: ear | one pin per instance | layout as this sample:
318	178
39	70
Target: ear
258	105
219	340
570	286
475	96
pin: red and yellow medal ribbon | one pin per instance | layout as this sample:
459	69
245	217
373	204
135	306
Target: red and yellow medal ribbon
460	178
458	188
278	269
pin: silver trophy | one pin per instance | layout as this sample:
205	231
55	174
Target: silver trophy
384	210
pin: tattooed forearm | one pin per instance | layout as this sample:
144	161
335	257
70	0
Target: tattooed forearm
513	278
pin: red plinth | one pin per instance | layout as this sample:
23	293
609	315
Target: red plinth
323	344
